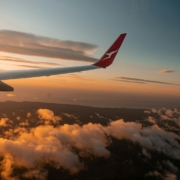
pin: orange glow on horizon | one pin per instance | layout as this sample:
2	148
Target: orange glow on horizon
70	82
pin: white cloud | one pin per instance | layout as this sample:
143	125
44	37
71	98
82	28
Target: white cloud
48	116
46	143
164	114
4	122
70	116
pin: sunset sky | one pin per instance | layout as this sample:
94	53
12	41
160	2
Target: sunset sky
145	72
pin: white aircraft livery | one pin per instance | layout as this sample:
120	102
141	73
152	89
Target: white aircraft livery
102	63
110	54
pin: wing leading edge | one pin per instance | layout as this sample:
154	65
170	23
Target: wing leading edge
104	62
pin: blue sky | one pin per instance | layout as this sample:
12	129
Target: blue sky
152	26
152	43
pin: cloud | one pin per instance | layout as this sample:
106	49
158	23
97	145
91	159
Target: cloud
64	146
137	82
165	71
141	81
20	60
48	116
166	176
4	122
152	138
28	66
33	45
153	173
146	153
170	176
24	123
28	115
18	118
47	144
10	95
151	120
71	116
168	115
147	112
38	174
6	167
172	167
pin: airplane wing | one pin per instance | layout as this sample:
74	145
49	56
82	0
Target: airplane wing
104	62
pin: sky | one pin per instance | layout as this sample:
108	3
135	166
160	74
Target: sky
43	33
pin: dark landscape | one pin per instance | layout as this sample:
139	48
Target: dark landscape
57	141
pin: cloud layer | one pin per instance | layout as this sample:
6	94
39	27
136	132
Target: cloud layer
62	146
33	45
165	71
20	60
141	81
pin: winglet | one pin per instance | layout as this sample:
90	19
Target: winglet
110	54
